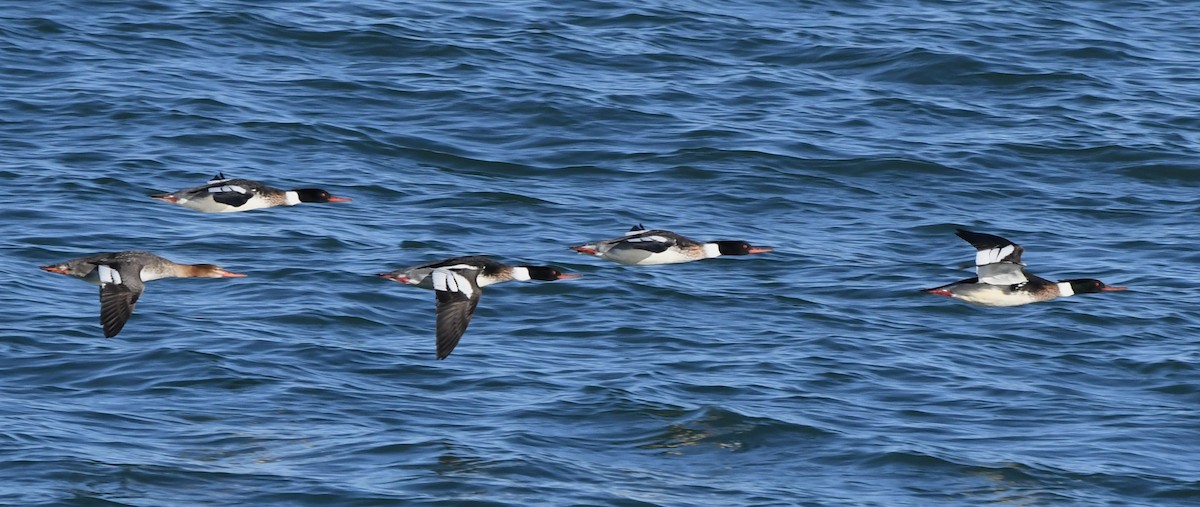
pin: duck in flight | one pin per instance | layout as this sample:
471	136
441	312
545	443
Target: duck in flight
227	195
459	283
649	247
1003	281
122	276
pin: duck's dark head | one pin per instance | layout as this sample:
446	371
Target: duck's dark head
317	195
740	248
1090	286
548	274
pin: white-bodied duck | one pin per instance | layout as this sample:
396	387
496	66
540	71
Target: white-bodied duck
1003	281
227	195
648	247
459	283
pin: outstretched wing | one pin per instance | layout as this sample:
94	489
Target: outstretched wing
654	241
458	294
120	288
230	192
997	260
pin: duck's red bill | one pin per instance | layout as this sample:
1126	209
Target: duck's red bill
761	249
1110	288
393	276
564	276
339	199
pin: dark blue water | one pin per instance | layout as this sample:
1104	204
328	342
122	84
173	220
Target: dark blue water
851	136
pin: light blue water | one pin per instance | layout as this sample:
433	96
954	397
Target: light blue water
851	136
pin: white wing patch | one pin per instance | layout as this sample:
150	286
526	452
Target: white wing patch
993	255
1012	278
446	279
108	274
1001	273
648	239
227	188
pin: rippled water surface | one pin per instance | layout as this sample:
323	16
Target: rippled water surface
853	137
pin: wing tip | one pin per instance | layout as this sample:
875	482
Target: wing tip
446	344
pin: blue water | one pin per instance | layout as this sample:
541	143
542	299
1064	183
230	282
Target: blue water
851	136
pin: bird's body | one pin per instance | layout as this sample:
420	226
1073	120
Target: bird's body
1003	281
227	195
650	247
459	284
122	277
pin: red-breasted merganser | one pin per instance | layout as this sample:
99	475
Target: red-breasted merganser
226	195
459	283
642	247
1003	281
121	277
